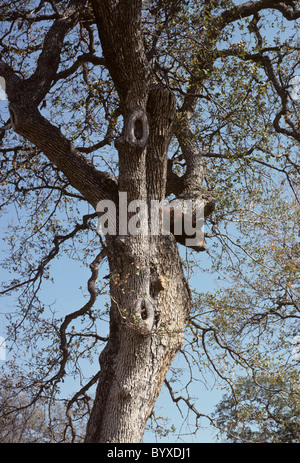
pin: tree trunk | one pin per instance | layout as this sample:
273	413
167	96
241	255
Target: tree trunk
150	297
135	360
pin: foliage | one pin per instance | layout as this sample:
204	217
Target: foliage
265	410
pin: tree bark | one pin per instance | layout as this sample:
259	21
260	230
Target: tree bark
136	359
150	297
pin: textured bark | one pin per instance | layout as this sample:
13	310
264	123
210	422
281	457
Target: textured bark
143	343
135	361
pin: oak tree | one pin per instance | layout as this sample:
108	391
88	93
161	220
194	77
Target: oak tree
159	99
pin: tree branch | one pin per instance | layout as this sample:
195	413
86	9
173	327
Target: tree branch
82	311
57	241
281	91
94	185
84	58
38	85
252	7
119	23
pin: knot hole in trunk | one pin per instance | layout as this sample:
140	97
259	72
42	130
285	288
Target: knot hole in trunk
137	128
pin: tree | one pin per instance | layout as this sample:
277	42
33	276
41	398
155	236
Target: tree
22	424
262	412
209	115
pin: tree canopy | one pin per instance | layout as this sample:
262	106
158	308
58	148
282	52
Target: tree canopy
231	68
261	411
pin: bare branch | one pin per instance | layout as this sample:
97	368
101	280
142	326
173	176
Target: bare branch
252	7
38	85
58	240
82	311
84	58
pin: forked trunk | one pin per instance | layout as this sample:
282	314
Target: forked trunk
150	296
